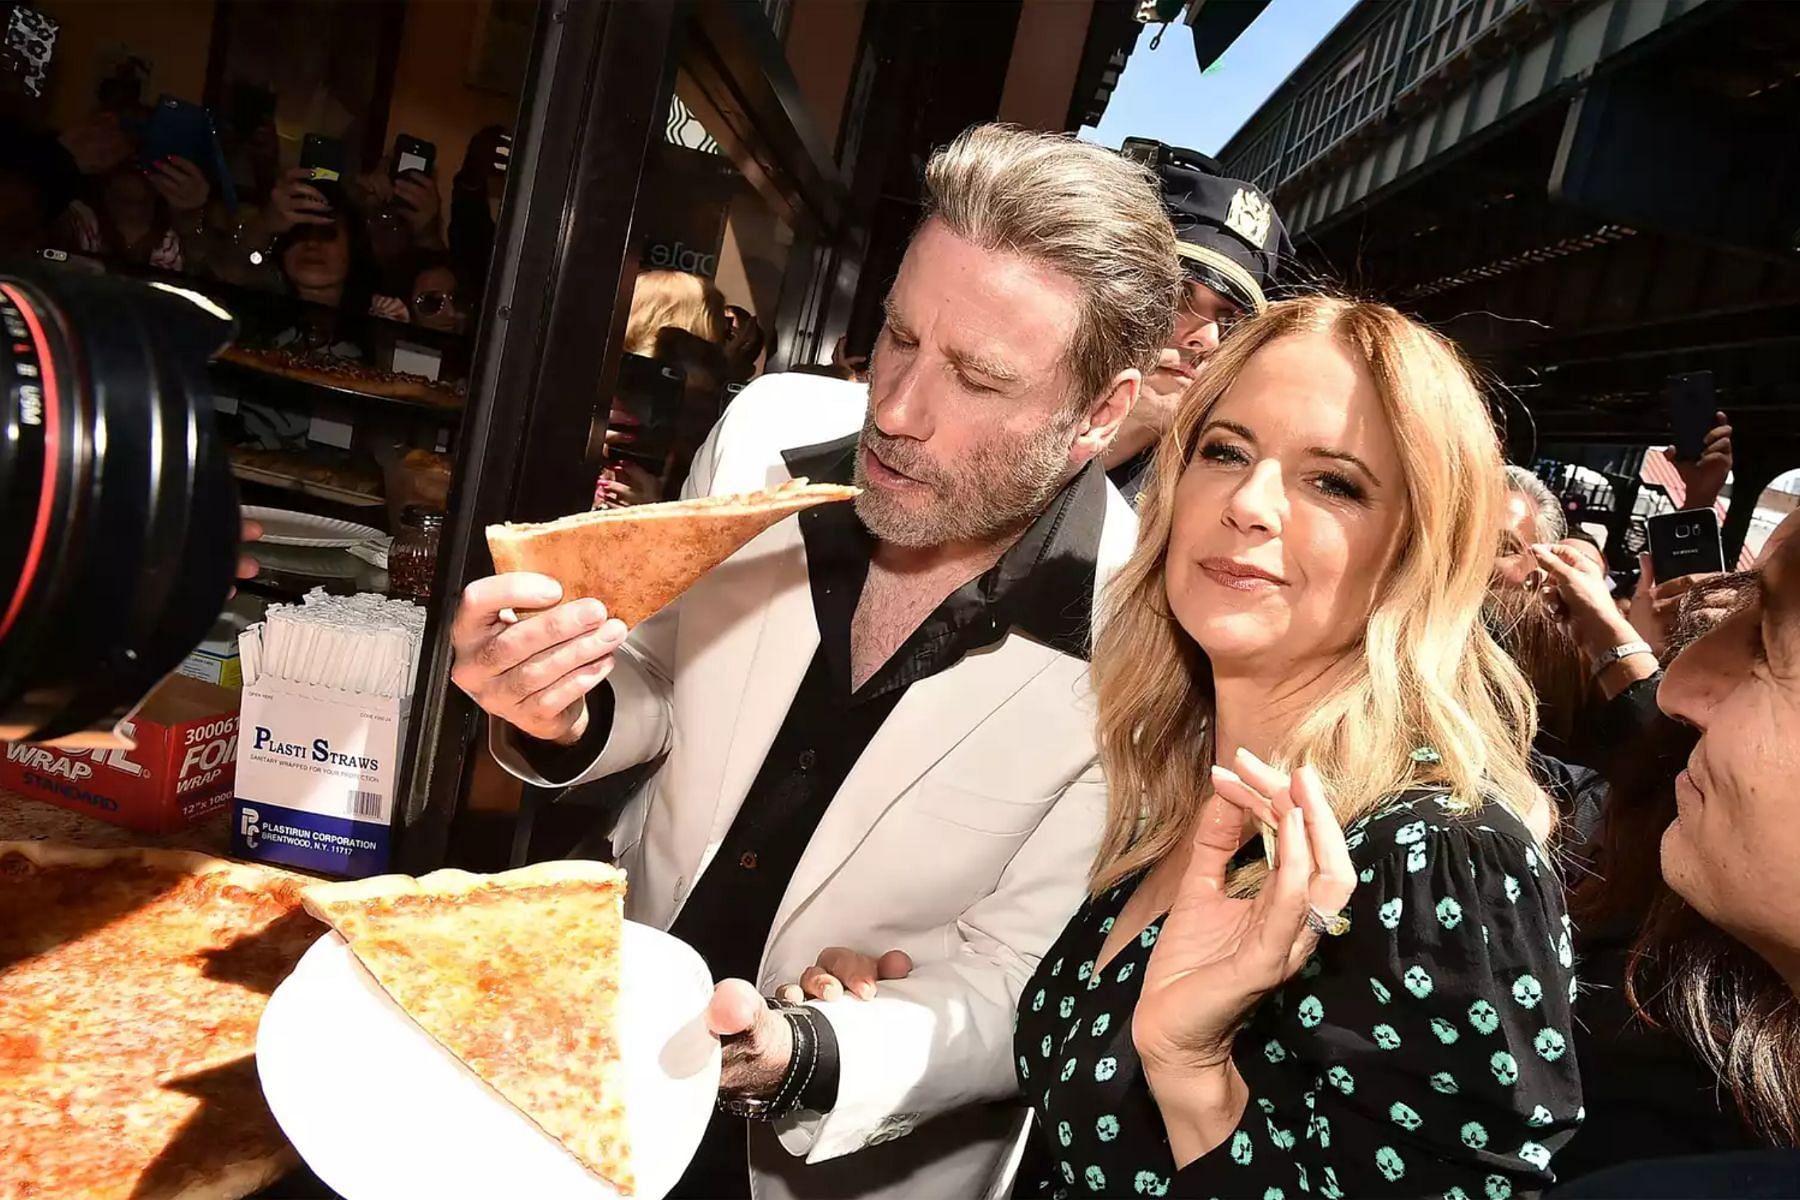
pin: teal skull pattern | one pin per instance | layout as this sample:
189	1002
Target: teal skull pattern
1404	1058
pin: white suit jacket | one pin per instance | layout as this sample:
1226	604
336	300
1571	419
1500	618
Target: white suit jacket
963	835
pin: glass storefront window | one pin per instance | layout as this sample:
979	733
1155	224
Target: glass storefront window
328	171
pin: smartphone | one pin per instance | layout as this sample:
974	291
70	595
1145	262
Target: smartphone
1685	543
1692	402
653	392
412	154
176	127
323	156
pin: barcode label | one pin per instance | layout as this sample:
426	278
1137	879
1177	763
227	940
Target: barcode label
366	805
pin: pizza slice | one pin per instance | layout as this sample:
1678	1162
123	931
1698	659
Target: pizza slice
636	560
516	974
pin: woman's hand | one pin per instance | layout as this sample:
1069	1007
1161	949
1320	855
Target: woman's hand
390	308
840	970
1578	596
183	186
625	483
295	201
420	205
1656	607
1705	477
1217	955
376	184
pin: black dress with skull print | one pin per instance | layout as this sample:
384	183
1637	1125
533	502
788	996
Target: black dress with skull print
1425	1052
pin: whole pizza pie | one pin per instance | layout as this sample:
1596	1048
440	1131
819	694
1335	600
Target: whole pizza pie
347	374
131	985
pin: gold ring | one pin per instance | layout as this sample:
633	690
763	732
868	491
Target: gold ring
1326	924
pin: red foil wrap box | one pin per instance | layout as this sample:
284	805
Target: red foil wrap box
181	771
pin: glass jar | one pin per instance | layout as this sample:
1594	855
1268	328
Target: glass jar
412	559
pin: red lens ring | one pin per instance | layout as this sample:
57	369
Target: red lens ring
40	532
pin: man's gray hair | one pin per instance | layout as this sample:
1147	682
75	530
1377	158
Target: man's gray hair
1552	525
1082	210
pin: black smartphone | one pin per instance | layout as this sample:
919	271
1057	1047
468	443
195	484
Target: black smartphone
1685	543
412	154
323	156
1692	401
653	392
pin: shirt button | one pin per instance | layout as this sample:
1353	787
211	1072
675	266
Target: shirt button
748	860
808	760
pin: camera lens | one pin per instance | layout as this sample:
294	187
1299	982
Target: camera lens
118	514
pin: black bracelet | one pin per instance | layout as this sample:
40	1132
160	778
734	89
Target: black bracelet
801	1064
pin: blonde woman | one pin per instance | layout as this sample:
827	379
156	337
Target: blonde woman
673	298
1386	1012
660	300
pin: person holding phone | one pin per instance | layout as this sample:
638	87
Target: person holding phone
475	193
322	251
405	209
659	300
149	216
1656	604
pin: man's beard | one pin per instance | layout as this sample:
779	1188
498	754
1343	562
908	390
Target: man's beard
1000	491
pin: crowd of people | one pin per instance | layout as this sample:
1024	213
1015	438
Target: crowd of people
1196	765
381	242
1319	823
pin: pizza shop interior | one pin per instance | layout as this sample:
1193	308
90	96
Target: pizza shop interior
395	271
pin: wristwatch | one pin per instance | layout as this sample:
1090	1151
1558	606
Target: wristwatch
799	1069
1622	651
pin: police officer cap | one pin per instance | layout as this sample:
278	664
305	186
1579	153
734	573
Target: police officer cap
1228	233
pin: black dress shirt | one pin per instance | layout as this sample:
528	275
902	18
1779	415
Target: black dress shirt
1043	587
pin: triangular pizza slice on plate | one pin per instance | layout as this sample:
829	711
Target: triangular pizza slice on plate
516	974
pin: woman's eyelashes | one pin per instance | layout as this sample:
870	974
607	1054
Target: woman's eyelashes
1341	486
1224	452
1331	483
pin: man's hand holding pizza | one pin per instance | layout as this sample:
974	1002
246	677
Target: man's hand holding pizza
529	659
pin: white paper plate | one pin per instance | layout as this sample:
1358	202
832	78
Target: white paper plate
379	1110
284	528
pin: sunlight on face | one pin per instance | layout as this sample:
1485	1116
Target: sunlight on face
1288	514
969	426
1732	848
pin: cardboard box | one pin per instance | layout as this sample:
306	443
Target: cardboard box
211	666
215	660
316	775
181	770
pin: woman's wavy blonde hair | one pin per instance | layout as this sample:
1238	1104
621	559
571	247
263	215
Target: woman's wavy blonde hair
665	298
1426	673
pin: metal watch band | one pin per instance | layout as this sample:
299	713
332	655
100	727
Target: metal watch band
1622	651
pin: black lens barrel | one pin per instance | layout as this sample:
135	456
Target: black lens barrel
139	540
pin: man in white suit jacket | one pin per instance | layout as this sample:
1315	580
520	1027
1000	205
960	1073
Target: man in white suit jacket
874	723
